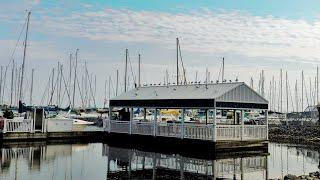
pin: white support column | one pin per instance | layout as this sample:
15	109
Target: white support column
182	122
44	122
206	112
5	125
155	122
32	128
267	124
214	134
131	120
242	124
110	117
145	114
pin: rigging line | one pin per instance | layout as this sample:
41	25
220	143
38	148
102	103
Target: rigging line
45	90
80	92
89	79
290	94
54	88
184	70
16	45
113	89
66	88
306	93
134	78
220	72
13	52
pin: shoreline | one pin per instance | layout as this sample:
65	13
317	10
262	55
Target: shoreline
297	135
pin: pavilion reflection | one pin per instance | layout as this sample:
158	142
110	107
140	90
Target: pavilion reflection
136	164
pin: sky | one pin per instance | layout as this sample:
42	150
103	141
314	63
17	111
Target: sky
251	35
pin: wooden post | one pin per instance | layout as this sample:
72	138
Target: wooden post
214	138
155	123
182	122
131	119
242	124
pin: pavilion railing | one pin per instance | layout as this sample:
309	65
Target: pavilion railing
14	125
120	126
228	132
198	131
169	130
252	132
236	132
144	128
191	131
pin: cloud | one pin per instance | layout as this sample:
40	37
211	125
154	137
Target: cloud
211	32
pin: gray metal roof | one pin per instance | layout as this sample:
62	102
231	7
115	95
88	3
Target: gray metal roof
224	92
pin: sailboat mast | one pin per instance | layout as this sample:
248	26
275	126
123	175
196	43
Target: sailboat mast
31	88
117	83
75	78
105	93
139	73
12	79
287	91
317	85
196	77
281	90
125	72
109	90
302	91
296	95
1	79
177	61
24	57
222	76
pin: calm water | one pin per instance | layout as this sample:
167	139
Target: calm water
100	161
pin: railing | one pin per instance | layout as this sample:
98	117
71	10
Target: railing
235	132
14	125
191	131
119	126
198	131
144	128
228	132
252	132
169	130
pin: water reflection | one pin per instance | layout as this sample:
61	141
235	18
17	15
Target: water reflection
135	164
101	161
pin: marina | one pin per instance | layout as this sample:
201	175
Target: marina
150	90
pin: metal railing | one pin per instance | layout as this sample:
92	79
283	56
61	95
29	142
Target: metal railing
144	128
236	132
191	131
14	125
198	131
169	130
228	132
252	132
120	126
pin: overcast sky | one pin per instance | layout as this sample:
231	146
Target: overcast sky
250	35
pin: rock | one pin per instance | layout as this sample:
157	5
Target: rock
290	177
